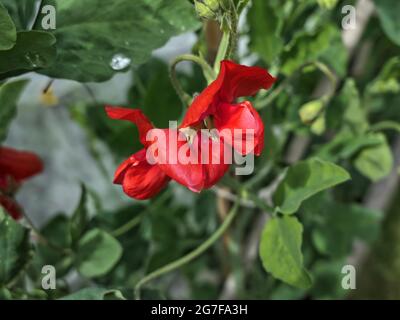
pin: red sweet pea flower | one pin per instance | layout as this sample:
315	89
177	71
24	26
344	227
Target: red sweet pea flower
15	167
214	108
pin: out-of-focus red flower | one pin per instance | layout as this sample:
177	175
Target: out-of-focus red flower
214	108
15	167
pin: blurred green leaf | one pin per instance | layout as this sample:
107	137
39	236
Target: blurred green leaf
58	231
8	31
303	180
33	50
9	94
95	294
375	162
342	224
388	14
347	112
265	30
97	253
306	47
388	80
14	248
21	11
91	33
280	251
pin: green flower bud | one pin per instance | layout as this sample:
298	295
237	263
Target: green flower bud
309	111
318	127
207	9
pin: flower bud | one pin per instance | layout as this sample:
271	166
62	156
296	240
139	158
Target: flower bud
207	9
310	111
318	127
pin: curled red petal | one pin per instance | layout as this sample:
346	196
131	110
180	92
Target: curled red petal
11	207
140	179
233	81
241	126
18	164
135	116
241	81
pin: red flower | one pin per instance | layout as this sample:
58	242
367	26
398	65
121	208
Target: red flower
15	167
214	108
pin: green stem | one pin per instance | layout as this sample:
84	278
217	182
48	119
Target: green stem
127	226
208	72
136	220
190	256
232	32
222	49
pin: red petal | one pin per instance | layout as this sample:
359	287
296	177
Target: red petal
244	117
133	115
241	81
139	179
19	165
11	207
218	162
189	174
234	81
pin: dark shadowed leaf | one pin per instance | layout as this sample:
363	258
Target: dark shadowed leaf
91	33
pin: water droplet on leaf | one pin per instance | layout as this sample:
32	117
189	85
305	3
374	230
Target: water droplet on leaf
120	62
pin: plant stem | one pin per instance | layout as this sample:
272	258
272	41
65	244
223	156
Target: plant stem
136	220
127	226
190	256
208	72
232	32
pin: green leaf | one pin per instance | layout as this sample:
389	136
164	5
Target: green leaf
305	179
306	47
97	253
280	251
8	31
22	12
388	14
346	111
33	50
264	30
95	294
341	224
388	80
58	231
90	33
15	250
375	162
9	94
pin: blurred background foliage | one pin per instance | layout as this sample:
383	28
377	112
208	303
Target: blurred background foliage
336	99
